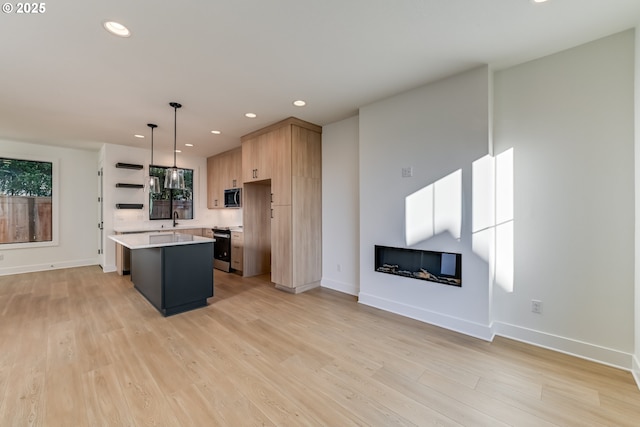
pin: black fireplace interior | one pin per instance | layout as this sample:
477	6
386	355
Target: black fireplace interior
439	267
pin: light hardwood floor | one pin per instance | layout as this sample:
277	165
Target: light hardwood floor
82	348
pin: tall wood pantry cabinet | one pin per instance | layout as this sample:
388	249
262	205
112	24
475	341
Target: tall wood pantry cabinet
282	174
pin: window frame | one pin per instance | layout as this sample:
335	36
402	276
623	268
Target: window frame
172	194
55	201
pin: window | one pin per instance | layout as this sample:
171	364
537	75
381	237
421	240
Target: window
27	202
163	204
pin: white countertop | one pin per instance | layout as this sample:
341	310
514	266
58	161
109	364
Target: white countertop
157	240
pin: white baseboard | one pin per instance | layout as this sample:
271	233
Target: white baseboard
635	370
48	266
583	350
463	326
346	288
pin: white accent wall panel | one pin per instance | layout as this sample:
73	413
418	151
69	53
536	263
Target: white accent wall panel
438	131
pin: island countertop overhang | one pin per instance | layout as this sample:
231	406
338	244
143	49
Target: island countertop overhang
158	240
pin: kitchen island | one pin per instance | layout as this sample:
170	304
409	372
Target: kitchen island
173	271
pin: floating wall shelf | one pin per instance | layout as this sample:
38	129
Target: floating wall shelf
129	206
128	166
122	185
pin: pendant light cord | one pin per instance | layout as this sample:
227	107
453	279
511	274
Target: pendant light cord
152	126
175	106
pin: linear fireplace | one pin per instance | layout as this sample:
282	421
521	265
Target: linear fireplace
439	267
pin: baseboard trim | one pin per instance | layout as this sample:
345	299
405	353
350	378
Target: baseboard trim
595	353
48	266
583	350
298	289
456	324
345	288
109	268
635	370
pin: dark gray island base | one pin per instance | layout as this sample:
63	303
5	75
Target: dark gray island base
174	272
174	278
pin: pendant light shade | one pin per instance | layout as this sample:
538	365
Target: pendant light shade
154	182
174	179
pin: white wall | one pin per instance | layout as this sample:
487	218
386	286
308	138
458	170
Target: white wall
569	119
340	201
78	236
437	130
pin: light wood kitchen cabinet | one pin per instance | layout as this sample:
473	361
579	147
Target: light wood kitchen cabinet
296	250
281	246
215	196
281	182
224	171
294	147
237	247
232	169
256	158
256	218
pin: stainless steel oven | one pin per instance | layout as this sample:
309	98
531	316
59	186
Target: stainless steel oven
222	249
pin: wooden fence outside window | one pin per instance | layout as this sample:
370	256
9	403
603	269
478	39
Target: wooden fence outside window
25	219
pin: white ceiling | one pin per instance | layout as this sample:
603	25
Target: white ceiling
65	81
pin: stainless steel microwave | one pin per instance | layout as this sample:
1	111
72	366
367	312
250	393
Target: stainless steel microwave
233	198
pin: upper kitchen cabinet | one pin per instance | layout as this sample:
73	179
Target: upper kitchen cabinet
256	157
288	148
224	171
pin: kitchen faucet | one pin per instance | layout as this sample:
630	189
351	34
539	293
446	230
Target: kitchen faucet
175	216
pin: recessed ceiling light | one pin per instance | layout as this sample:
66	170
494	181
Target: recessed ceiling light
215	132
188	145
116	28
538	1
178	151
299	103
138	136
251	115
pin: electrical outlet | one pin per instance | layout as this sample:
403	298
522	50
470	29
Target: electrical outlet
536	306
1	257
339	268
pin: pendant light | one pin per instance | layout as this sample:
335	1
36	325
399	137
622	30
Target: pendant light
154	182
174	178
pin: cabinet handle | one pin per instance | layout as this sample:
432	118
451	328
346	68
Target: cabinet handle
271	213
271	197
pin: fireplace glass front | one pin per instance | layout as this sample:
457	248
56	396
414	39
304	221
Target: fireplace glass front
439	267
